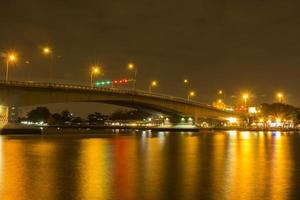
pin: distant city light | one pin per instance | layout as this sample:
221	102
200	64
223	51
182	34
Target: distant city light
232	120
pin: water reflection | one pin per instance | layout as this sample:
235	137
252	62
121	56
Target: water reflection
151	165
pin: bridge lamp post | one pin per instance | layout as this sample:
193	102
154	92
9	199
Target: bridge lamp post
10	58
152	84
94	71
190	95
131	67
47	51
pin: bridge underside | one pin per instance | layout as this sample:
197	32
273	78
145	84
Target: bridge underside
15	95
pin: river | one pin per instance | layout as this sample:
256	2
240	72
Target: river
146	165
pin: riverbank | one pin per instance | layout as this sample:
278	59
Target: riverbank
21	129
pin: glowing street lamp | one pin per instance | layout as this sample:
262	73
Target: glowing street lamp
245	98
10	58
47	50
185	81
279	97
131	67
152	84
190	95
221	95
94	71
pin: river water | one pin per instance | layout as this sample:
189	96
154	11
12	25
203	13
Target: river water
151	165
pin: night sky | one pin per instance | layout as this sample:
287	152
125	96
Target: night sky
232	45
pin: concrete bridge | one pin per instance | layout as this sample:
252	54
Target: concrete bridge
16	93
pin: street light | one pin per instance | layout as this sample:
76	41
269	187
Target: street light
279	97
131	67
191	94
245	98
94	70
47	51
10	58
152	84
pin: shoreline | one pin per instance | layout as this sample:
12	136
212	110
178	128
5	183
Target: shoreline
20	129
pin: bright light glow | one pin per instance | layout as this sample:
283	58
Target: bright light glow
46	50
192	93
252	110
232	120
220	92
185	81
154	83
11	57
278	120
261	120
245	135
130	66
245	97
95	69
279	97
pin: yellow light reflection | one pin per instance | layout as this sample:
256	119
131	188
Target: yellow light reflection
191	167
248	172
154	169
1	162
94	182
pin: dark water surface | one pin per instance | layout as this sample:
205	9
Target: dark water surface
144	165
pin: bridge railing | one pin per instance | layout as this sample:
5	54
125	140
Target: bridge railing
102	89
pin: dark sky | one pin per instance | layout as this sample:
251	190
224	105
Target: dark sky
218	44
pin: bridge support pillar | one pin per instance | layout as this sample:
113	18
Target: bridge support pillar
3	116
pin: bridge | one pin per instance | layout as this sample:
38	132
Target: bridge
21	93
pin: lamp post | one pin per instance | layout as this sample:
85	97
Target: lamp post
132	67
152	84
94	70
190	95
245	98
279	97
10	58
47	51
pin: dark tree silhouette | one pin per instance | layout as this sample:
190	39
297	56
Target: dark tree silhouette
39	114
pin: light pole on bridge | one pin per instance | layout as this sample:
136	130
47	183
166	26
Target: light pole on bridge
94	70
10	58
47	51
190	95
152	84
133	68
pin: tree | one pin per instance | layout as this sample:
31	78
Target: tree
56	118
66	116
96	118
280	110
77	120
39	114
